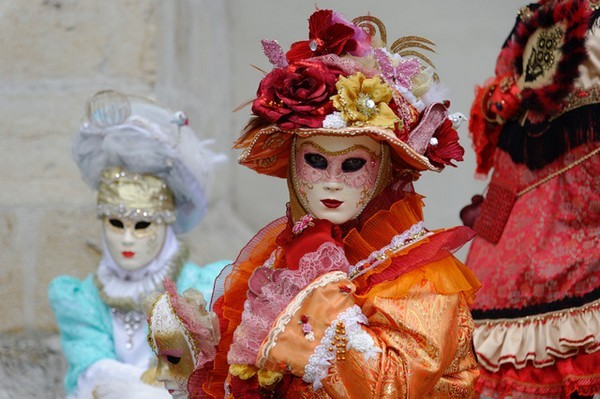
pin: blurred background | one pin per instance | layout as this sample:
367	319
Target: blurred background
193	55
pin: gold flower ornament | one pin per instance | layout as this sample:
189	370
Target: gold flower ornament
364	101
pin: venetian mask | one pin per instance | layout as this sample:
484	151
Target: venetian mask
175	357
335	177
133	244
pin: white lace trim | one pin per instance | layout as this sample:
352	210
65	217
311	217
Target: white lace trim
415	233
356	338
539	339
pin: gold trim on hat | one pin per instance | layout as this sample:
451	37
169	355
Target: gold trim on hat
123	194
398	147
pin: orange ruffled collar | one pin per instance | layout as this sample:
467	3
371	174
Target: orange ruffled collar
425	255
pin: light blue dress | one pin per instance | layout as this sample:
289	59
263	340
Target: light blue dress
85	322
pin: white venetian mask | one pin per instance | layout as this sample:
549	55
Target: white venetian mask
133	244
335	177
175	358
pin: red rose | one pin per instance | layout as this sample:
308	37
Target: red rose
447	147
297	95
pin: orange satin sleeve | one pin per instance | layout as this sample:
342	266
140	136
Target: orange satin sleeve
425	339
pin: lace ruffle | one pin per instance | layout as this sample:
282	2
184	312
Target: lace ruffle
539	339
279	288
356	338
413	234
126	294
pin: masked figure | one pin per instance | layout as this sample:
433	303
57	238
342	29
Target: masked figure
349	295
183	336
151	174
536	124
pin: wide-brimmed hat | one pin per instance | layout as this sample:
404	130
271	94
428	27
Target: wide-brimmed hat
343	81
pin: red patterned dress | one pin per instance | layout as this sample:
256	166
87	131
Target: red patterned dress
538	312
536	124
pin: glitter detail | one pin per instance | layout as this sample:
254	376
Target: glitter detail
302	224
334	121
274	53
415	233
366	105
121	211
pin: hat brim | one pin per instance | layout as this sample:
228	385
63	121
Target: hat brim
268	151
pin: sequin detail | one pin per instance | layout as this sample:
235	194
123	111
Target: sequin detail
415	233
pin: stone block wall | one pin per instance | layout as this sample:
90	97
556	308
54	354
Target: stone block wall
54	54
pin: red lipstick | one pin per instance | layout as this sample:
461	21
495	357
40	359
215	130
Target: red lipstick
128	254
331	203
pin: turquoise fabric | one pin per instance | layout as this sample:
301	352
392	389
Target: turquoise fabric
85	323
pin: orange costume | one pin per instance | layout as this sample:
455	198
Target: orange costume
338	301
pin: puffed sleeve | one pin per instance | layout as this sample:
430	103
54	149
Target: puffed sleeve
425	342
417	345
84	323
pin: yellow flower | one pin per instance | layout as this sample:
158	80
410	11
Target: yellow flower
364	101
268	378
243	371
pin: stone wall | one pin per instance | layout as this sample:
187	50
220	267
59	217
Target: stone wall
54	54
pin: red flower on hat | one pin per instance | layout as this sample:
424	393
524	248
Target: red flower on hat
329	33
444	146
297	95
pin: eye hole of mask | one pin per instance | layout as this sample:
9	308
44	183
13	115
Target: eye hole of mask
353	164
173	359
116	223
315	160
142	225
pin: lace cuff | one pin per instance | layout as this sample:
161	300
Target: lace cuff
345	328
302	325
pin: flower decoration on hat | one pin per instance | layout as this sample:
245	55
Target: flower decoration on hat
443	147
364	101
344	81
297	95
330	33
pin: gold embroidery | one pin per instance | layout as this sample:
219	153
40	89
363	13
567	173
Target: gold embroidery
340	152
274	141
544	53
339	344
578	98
266	162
